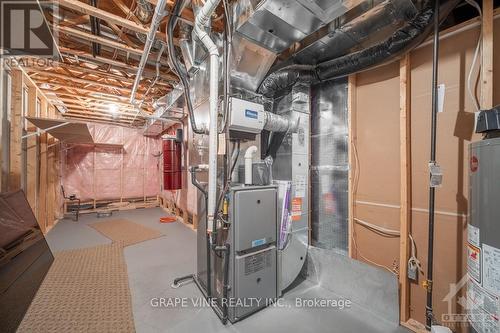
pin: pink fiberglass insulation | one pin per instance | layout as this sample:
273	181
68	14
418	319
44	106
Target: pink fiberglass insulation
103	172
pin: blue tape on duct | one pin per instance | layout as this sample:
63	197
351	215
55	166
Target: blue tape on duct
251	114
258	242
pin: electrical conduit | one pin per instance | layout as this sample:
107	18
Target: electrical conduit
157	17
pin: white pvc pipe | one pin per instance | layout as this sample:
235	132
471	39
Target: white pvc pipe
150	37
250	152
201	21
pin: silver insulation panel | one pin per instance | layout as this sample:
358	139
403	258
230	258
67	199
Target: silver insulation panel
292	164
329	166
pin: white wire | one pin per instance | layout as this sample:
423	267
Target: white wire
474	59
390	232
413	262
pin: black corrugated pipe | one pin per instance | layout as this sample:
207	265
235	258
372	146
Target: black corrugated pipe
181	71
400	42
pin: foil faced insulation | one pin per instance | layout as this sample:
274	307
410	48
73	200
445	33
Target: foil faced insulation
330	166
292	165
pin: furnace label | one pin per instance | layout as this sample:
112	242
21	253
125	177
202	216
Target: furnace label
296	209
474	262
482	307
491	269
473	235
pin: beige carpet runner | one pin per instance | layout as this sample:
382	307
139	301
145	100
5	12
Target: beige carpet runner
125	231
86	290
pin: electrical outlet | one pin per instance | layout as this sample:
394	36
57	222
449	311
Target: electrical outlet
413	273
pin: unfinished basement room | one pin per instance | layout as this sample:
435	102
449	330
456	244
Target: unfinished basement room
248	166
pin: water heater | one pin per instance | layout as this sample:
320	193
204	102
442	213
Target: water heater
483	248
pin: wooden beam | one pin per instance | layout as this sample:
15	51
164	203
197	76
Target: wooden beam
42	162
487	60
75	67
108	119
16	130
93	112
405	187
351	111
122	35
99	121
95	107
77	89
31	154
74	21
88	36
92	100
127	11
107	61
108	17
52	75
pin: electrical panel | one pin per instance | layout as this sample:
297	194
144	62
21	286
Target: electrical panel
245	116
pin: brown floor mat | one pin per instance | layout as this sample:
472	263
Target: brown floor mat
125	231
85	290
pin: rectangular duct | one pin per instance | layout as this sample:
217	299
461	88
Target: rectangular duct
267	22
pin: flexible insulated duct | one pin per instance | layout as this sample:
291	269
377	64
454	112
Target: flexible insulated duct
180	70
401	41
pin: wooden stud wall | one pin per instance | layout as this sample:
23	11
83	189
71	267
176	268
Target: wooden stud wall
41	169
452	54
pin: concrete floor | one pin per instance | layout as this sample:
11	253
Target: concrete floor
152	266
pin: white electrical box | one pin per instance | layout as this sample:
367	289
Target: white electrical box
245	116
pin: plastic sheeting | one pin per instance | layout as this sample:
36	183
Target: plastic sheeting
103	172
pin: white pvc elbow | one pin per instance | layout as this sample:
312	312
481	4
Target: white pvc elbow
249	153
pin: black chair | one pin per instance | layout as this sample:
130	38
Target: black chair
72	200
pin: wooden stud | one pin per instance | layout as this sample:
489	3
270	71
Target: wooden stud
487	60
351	111
42	161
405	187
16	130
31	154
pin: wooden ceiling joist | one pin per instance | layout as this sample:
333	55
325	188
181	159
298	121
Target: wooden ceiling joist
79	90
98	106
108	17
90	99
129	67
86	112
88	36
101	119
127	11
69	78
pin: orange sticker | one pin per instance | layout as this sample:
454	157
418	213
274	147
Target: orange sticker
296	209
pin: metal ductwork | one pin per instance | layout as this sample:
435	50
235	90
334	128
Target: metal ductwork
362	27
267	22
402	40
